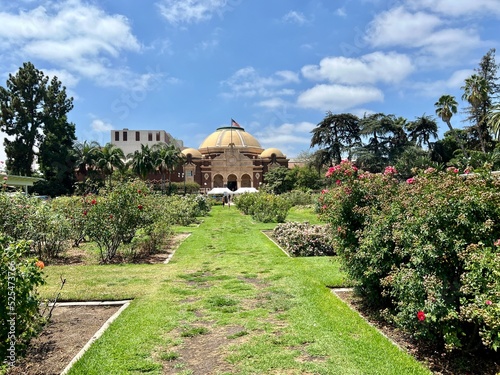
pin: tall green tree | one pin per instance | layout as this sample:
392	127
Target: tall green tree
55	156
421	130
337	134
22	116
142	161
386	141
85	154
446	107
476	91
167	158
109	158
494	121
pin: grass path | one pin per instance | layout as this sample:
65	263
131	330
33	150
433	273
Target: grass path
231	302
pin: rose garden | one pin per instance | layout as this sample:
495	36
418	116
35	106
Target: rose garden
421	253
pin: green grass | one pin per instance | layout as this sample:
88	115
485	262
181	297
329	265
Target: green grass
229	274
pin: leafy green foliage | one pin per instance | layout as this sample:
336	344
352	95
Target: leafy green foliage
20	319
423	250
263	207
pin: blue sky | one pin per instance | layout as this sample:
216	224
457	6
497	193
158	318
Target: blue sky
276	67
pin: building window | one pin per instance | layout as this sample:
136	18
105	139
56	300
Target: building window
137	136
117	136
158	137
124	136
150	137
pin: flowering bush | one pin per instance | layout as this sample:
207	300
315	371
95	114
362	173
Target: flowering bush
424	251
19	301
264	207
303	239
72	208
51	231
113	217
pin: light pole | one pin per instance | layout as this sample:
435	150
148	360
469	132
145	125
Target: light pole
183	175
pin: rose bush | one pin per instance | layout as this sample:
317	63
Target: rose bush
20	319
423	251
263	207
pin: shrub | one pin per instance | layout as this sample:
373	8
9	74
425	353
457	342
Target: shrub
303	239
71	208
301	198
113	217
51	231
263	207
423	251
19	301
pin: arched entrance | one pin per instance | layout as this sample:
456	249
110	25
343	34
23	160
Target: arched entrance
218	181
232	182
246	181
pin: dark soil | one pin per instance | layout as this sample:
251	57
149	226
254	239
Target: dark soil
64	336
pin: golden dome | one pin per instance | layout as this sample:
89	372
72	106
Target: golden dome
195	154
223	137
267	153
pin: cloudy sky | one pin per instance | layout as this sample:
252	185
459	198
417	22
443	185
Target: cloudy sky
276	67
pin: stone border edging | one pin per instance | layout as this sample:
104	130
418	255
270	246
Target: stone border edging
173	252
274	242
100	331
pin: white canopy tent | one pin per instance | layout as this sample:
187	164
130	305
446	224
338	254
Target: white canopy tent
246	190
220	191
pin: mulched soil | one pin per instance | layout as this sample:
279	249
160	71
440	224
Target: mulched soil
66	334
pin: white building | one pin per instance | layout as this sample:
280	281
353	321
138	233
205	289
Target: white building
131	140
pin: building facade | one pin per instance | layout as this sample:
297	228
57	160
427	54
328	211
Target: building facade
131	140
230	157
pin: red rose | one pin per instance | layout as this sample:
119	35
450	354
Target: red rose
84	213
421	316
93	201
140	207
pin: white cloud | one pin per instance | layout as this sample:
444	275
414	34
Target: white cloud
190	11
286	137
436	88
338	98
374	67
431	35
100	126
295	17
399	27
272	103
457	8
341	12
77	38
247	82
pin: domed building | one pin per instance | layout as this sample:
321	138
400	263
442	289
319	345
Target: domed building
230	157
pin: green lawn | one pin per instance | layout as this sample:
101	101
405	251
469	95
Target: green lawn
229	277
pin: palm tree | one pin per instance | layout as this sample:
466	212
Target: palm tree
446	107
142	161
85	154
422	129
167	158
108	158
494	121
476	93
